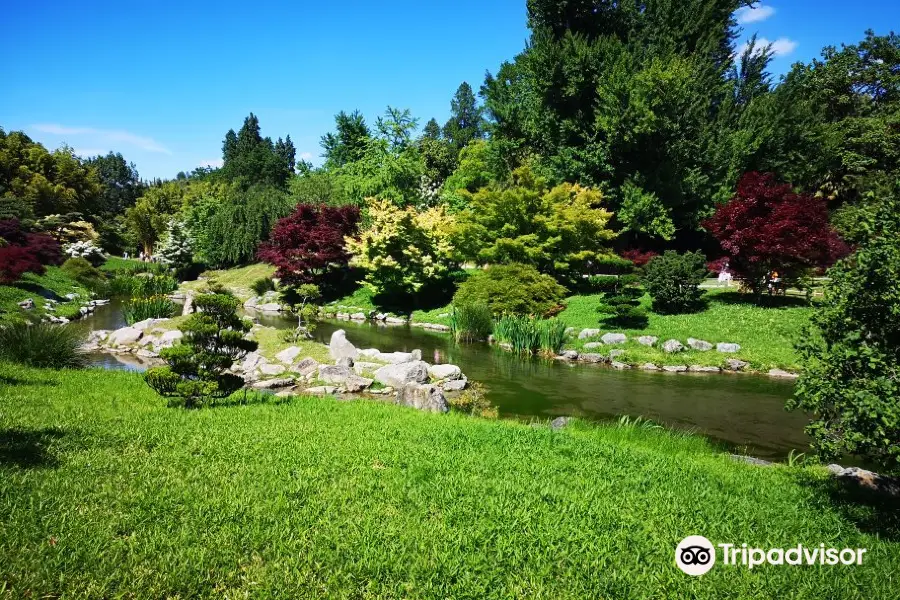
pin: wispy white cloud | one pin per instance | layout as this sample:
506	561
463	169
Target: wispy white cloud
215	163
780	47
306	155
747	15
88	152
109	136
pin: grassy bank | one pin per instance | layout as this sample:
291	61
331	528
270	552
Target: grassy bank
53	284
238	280
766	334
106	493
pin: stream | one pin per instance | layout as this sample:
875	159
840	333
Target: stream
744	412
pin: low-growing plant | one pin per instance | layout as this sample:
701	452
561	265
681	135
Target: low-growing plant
213	340
143	285
263	285
84	273
472	401
621	307
471	322
154	307
530	335
512	289
673	281
42	345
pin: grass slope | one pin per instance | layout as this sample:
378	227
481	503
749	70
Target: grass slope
106	493
238	280
53	284
766	334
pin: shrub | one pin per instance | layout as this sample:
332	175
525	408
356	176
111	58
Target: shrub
530	335
86	250
638	258
766	227
24	252
471	322
512	289
673	281
612	265
84	273
851	350
308	245
263	285
472	401
213	341
559	230
153	307
42	345
620	306
177	248
403	249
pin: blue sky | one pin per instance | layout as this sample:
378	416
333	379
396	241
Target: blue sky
163	85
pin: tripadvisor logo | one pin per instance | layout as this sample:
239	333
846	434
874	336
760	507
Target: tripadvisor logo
696	555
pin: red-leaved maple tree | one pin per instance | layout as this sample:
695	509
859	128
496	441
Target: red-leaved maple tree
24	252
307	246
768	228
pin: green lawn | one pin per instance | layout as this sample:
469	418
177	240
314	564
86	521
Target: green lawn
238	280
105	493
766	334
54	283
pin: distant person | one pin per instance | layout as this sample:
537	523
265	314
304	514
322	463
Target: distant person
725	276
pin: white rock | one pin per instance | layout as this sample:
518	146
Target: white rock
339	347
269	307
675	368
782	374
701	345
395	358
455	385
369	352
647	340
398	375
322	389
358	316
124	336
614	338
269	384
252	360
288	355
593	345
272	369
423	397
334	373
440	372
168	339
394	321
671	346
726	348
586	333
305	367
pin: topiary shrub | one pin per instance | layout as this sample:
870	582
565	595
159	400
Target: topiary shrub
42	345
621	306
512	289
673	281
213	340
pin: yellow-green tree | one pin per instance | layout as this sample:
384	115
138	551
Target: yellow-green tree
558	230
403	249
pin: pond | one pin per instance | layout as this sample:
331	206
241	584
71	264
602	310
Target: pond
745	412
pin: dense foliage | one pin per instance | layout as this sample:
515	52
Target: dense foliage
559	230
673	281
620	305
22	251
307	246
403	249
512	289
851	382
767	228
213	340
42	345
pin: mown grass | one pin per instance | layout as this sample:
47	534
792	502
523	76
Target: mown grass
440	315
359	301
766	334
104	492
117	263
239	280
271	342
53	284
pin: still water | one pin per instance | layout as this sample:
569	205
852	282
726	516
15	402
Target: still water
745	412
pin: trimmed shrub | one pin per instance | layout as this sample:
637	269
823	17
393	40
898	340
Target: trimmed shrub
612	265
84	273
673	281
42	345
213	341
471	322
621	307
512	289
262	285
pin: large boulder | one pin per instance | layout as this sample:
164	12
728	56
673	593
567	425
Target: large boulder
358	316
395	357
252	360
270	307
593	345
736	365
147	323
168	339
614	338
125	336
590	357
339	347
727	348
270	384
305	367
455	385
647	340
701	345
354	383
288	355
671	346
271	370
369	352
334	373
398	375
362	366
429	398
586	333
440	372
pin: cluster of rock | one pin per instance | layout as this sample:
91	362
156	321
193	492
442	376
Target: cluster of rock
414	382
84	310
267	303
672	346
144	339
359	315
